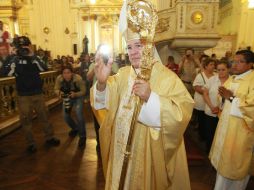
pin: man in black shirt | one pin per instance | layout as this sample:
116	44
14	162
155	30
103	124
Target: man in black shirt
26	68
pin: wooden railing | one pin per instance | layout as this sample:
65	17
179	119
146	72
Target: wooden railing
8	99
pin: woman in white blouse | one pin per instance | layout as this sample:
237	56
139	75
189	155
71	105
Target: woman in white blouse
210	94
198	84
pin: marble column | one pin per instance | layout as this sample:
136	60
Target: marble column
97	36
115	34
92	40
12	25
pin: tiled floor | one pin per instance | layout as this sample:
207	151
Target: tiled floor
67	167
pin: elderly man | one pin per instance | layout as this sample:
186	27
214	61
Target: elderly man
158	158
232	149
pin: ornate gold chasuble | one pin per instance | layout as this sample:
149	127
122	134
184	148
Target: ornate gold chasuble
158	158
232	150
122	128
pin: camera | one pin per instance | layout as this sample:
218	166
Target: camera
19	44
65	88
66	102
105	51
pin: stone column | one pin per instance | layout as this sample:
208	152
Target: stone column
11	25
115	34
97	35
92	40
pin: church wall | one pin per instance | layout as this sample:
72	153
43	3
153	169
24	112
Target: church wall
246	28
229	18
235	27
58	25
67	25
52	25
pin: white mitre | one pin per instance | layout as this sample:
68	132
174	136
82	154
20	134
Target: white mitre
127	32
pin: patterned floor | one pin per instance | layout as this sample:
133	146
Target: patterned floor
68	168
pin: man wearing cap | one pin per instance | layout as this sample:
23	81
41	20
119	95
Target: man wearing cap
26	68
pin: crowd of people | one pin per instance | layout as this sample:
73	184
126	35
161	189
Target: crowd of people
202	75
223	93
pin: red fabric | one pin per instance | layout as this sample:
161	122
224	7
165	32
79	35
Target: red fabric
5	36
173	67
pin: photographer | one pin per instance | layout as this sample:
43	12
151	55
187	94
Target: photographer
71	88
26	68
187	69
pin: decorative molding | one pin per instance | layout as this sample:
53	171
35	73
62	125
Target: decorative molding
85	3
100	10
202	42
9	8
166	21
181	17
226	11
224	3
213	16
189	23
197	10
163	25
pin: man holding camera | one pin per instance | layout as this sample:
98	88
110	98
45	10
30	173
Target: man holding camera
71	88
26	68
187	69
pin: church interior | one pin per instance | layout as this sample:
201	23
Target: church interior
68	30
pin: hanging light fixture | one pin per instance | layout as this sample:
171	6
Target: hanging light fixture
251	4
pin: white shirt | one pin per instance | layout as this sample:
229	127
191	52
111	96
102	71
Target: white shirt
212	86
235	111
149	113
198	98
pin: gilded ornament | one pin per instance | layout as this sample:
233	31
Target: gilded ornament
46	30
163	25
142	16
197	17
